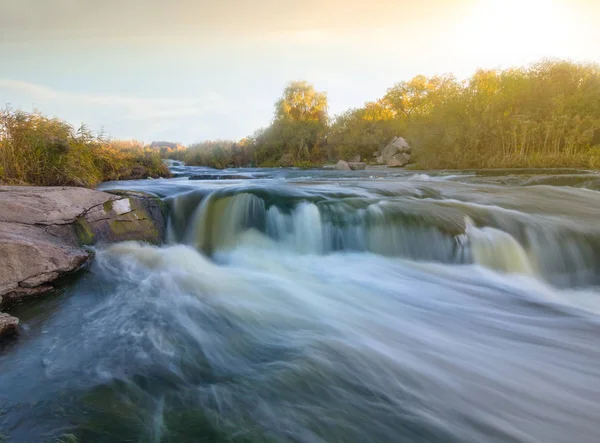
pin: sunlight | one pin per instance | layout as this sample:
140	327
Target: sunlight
515	31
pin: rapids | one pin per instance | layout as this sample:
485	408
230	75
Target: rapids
324	306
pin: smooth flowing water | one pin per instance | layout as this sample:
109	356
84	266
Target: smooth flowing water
321	306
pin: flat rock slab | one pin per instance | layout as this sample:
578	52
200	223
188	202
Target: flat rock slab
44	232
47	205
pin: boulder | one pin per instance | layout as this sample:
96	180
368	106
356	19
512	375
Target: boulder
44	231
342	166
354	159
8	324
397	145
31	256
398	160
286	161
357	166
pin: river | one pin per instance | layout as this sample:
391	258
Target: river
324	306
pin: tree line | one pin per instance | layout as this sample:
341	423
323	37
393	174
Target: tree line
543	115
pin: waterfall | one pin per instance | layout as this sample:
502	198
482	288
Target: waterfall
316	306
412	229
497	250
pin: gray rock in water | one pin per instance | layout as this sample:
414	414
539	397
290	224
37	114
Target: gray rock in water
43	231
8	324
357	166
398	160
342	166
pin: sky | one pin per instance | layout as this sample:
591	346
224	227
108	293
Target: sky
193	70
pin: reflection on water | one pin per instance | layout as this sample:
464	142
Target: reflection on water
316	306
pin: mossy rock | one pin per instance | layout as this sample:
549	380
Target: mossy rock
140	218
84	231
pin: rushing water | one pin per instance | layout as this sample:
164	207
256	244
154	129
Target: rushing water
320	306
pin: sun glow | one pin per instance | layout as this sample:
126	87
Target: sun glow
516	31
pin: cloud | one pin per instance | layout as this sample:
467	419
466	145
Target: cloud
22	20
134	108
127	116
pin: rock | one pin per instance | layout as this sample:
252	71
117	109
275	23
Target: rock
398	160
286	161
380	160
8	324
31	205
397	145
354	159
30	257
342	166
43	231
128	218
357	166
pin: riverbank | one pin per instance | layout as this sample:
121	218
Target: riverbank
42	151
48	232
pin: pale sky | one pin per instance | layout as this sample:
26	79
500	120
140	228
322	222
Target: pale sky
189	70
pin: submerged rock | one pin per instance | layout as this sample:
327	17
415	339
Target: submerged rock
44	231
8	324
342	166
222	177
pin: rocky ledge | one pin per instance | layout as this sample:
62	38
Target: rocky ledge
45	233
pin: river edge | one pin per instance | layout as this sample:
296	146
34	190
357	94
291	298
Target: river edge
49	232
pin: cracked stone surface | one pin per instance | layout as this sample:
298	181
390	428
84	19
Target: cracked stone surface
43	231
48	205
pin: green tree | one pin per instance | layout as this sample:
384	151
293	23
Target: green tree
301	102
298	129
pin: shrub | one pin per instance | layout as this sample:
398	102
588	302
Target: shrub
38	150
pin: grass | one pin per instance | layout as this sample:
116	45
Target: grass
43	151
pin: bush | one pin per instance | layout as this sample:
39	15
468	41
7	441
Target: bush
217	154
38	150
